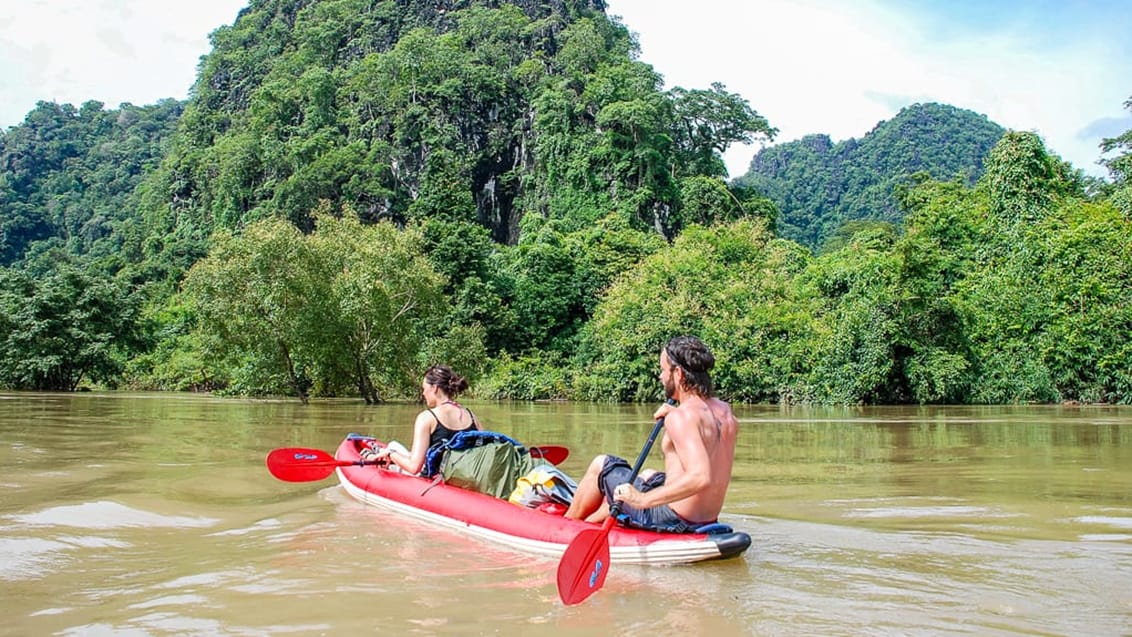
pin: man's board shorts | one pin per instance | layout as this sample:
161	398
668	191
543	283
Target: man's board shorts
614	473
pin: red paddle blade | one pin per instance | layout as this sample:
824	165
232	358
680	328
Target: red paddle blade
296	464
584	565
553	454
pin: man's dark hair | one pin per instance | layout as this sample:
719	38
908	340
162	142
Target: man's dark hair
692	356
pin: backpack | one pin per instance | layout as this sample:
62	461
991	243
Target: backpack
484	461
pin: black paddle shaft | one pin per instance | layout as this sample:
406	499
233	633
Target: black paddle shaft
615	508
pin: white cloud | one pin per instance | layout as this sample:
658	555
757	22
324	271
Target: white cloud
808	66
825	66
113	51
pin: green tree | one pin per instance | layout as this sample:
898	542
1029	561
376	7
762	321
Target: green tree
732	285
1023	179
380	304
348	306
253	292
855	359
180	356
464	254
1044	293
707	200
63	325
935	255
1120	166
605	251
542	288
707	123
1086	272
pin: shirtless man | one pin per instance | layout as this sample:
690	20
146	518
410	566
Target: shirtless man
698	446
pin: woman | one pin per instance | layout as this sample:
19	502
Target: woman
442	418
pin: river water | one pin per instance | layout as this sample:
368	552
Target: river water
153	514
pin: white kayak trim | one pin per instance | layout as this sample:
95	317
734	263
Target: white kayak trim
675	551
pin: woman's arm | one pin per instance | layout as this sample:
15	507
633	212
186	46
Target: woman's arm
412	463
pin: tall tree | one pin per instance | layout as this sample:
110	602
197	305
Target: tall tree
732	285
380	303
1022	179
707	123
63	325
1120	166
253	292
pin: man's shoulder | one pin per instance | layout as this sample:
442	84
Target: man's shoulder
718	404
693	412
685	414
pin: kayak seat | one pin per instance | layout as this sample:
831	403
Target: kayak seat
714	528
362	442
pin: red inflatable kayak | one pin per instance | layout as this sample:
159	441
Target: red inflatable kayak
528	530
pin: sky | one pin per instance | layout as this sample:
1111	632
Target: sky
1062	69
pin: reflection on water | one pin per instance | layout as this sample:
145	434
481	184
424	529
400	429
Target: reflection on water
153	514
105	515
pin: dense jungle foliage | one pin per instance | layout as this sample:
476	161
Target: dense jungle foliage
357	189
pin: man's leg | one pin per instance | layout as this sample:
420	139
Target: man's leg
588	497
602	511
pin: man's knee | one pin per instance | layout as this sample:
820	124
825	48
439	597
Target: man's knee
596	465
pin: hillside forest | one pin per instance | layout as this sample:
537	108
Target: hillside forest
356	189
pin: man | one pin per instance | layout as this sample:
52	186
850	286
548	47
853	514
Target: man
698	446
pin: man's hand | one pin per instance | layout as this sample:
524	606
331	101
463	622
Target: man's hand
625	493
664	409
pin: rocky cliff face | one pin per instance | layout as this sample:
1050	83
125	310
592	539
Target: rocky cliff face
296	92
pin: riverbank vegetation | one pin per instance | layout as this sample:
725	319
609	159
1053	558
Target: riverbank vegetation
356	190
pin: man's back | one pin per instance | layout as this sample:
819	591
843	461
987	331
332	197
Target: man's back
710	453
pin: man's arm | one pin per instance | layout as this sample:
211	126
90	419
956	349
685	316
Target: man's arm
683	432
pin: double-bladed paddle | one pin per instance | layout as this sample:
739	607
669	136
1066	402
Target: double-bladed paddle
299	464
553	454
584	565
